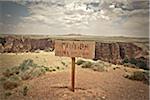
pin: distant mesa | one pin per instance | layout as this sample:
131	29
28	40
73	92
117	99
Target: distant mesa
72	35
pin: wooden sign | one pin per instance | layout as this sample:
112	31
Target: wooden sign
84	49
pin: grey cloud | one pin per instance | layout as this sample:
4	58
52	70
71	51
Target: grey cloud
109	17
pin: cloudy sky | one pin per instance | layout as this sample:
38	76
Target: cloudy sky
89	17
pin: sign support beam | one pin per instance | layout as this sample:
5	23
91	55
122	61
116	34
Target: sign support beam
73	75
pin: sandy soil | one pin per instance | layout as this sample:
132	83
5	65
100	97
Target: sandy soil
48	59
90	85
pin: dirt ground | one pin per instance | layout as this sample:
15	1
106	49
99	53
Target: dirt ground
90	85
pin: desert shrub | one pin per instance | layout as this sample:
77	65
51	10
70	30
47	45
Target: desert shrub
3	79
37	51
130	65
63	63
126	60
142	64
11	71
8	85
49	50
25	90
12	82
95	59
15	78
2	41
135	63
15	70
29	69
8	93
46	68
139	76
57	67
25	75
37	72
53	69
131	60
26	70
33	72
98	67
86	64
7	73
80	62
26	64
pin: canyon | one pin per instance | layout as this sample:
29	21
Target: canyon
112	52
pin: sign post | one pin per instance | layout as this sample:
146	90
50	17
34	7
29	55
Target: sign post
73	74
85	49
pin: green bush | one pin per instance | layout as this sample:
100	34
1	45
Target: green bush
12	82
100	67
26	70
25	75
142	64
8	85
96	66
8	93
80	62
26	64
7	73
15	70
46	68
25	90
126	60
139	76
49	50
130	65
131	60
57	67
11	71
3	79
135	63
63	63
53	69
87	64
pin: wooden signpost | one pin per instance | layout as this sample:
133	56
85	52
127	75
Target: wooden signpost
84	49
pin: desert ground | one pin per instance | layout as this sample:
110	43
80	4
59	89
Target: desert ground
109	84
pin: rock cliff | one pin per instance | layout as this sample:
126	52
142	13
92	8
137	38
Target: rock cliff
113	52
117	52
13	44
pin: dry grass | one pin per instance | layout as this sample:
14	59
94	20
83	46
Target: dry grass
92	85
139	76
99	66
48	59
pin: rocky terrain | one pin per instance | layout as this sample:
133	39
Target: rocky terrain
29	69
32	76
15	44
116	52
113	52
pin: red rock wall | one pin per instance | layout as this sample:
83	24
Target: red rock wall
110	52
116	52
25	44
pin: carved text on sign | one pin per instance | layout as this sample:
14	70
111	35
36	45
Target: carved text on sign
85	49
